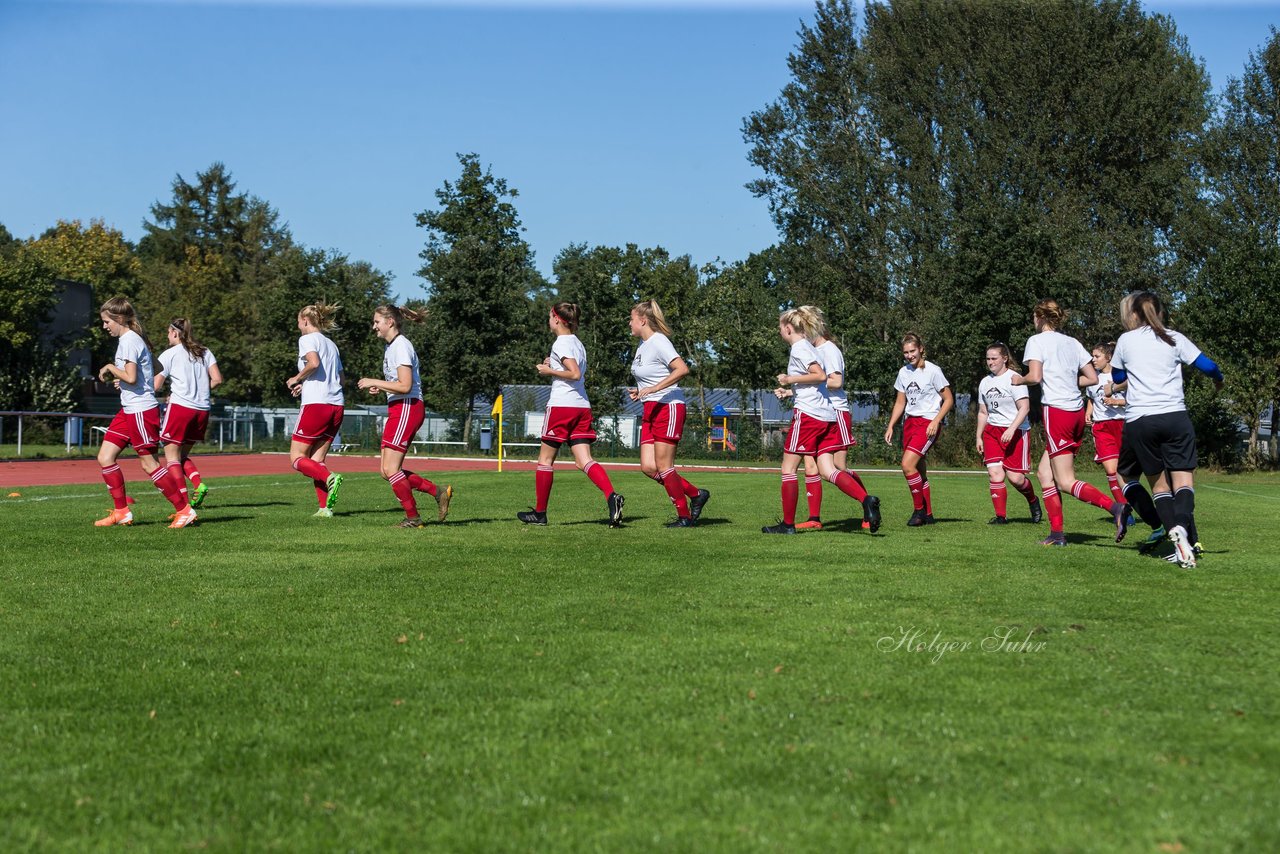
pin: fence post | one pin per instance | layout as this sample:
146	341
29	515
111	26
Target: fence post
249	427
220	423
19	435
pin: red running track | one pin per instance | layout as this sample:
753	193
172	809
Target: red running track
19	473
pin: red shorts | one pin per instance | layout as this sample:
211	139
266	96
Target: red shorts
139	429
404	417
1063	430
844	428
810	436
318	421
662	422
1016	456
1106	439
182	425
567	424
915	434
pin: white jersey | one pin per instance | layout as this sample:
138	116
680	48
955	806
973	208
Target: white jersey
564	392
1001	397
325	385
833	363
923	389
811	398
1061	357
188	376
400	352
1154	369
136	396
1104	411
652	365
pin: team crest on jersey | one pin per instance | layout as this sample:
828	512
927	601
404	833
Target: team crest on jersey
913	391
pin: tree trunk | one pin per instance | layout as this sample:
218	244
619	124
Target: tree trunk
466	422
1274	447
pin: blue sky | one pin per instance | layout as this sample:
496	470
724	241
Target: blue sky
616	121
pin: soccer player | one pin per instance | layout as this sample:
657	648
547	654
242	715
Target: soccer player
318	383
1159	440
402	384
658	368
1062	367
1002	433
833	365
568	418
138	421
924	394
1104	415
192	372
815	426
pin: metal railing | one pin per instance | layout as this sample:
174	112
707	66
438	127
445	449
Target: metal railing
73	432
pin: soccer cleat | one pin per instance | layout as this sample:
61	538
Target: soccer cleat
443	497
998	520
1123	519
809	525
410	522
680	522
1059	539
697	502
116	517
1182	550
1197	550
1154	539
322	513
916	520
183	518
532	517
871	513
779	528
1036	513
928	518
198	497
615	509
332	485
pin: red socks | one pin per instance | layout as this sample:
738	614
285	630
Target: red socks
999	497
420	483
1028	491
674	485
404	493
813	492
1090	494
790	496
190	470
1053	507
1113	482
850	486
915	484
115	485
542	486
596	473
167	482
311	468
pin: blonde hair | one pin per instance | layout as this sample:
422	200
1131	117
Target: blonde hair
398	314
913	338
321	315
568	313
1052	314
1144	309
804	319
122	312
652	313
183	327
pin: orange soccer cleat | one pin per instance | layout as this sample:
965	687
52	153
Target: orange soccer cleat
116	517
183	518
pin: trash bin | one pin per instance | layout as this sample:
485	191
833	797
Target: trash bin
73	431
486	438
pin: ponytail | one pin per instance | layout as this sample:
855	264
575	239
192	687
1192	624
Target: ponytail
321	315
1143	309
399	314
568	313
652	313
182	326
804	319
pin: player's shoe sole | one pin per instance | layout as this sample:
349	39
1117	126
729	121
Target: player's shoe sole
197	498
809	525
871	510
443	497
697	503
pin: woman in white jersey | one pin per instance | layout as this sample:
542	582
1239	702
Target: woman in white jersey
138	421
318	383
658	368
1104	415
1062	367
924	394
1159	440
815	426
833	365
402	384
1002	433
193	374
568	418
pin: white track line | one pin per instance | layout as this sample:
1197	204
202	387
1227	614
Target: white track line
1237	492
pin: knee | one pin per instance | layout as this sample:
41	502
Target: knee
649	469
388	473
909	470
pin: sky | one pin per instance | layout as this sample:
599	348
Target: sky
617	121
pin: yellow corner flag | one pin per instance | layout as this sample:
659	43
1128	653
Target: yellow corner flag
497	407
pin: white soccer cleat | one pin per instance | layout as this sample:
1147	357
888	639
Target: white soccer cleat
1182	550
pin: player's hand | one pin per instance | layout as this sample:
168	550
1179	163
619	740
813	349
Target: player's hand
782	379
633	393
1007	436
296	390
888	436
978	444
932	429
103	373
117	385
543	368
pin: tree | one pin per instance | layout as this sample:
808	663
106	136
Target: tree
478	272
33	373
1230	245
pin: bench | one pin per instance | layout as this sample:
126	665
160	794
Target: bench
414	444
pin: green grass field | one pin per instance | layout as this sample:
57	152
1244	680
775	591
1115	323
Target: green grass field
271	681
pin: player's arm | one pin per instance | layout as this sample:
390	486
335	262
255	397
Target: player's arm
1088	409
1033	375
571	371
311	364
1023	412
948	401
982	423
402	384
127	375
816	375
679	370
215	377
157	382
1087	376
835	381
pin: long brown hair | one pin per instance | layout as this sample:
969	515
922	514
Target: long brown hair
398	314
1143	309
568	313
1051	313
122	312
652	313
182	326
321	315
